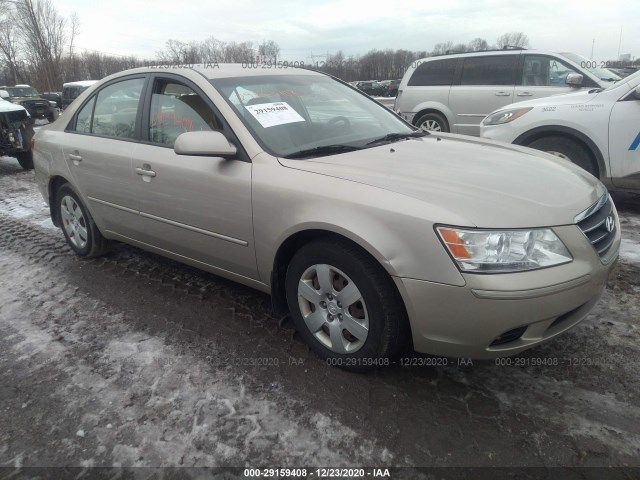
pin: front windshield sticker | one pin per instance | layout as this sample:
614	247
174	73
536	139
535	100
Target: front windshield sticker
272	114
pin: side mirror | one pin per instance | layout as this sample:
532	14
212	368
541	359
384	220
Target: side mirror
209	144
574	80
4	94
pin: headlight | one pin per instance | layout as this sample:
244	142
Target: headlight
505	116
504	251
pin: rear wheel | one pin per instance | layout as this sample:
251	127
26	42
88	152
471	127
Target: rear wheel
432	122
25	159
345	306
78	226
568	149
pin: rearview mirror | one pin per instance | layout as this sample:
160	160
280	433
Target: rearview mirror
210	144
574	79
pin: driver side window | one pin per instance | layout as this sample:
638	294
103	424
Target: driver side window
544	71
176	109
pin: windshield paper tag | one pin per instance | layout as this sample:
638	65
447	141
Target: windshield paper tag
272	114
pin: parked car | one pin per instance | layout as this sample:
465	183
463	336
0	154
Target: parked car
29	98
16	132
373	89
623	72
53	97
453	93
598	130
71	91
390	87
374	235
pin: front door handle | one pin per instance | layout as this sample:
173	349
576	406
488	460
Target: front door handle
75	158
525	94
502	94
145	171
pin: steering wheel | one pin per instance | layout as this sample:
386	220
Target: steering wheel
335	120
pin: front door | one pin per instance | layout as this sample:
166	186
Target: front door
197	207
624	142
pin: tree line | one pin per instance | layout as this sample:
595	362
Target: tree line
37	47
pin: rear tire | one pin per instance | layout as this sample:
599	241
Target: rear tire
432	122
568	149
77	224
25	159
345	306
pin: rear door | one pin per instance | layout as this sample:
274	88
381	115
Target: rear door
486	83
197	207
542	76
97	146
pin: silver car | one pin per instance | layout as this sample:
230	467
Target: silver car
453	93
375	236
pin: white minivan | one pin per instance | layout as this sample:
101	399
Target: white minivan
453	93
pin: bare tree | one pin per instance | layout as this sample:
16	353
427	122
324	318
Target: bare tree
477	45
269	48
9	43
442	48
513	39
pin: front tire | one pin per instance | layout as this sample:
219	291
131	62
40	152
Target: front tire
345	306
79	229
568	149
25	159
432	122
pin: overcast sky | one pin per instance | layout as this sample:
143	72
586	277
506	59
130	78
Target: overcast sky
141	28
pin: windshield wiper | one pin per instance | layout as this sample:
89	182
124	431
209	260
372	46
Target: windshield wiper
322	150
398	136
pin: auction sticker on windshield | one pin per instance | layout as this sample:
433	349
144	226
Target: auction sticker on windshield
272	114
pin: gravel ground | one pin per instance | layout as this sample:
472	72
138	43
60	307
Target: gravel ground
135	360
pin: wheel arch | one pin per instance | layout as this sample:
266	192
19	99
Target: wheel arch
437	108
296	240
55	183
570	133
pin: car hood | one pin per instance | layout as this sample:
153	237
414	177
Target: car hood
488	183
573	98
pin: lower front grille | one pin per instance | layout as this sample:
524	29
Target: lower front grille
598	223
508	337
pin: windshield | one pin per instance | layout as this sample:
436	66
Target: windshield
296	113
592	66
22	92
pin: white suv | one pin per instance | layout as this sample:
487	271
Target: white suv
597	129
453	93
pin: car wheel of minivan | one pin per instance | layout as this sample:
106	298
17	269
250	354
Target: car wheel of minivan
78	226
25	159
568	149
432	122
345	306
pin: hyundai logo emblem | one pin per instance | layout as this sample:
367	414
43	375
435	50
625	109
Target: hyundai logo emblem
609	223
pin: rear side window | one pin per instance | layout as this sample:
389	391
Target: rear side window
434	73
496	70
112	112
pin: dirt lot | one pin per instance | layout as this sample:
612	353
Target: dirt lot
135	360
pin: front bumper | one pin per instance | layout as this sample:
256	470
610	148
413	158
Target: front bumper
502	133
503	314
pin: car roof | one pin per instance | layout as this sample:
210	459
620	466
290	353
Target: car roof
227	70
81	83
484	53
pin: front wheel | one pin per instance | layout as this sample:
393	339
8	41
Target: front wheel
432	122
78	226
345	306
25	159
567	149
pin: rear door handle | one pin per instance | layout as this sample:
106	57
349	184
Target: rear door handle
145	171
75	158
525	94
502	94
